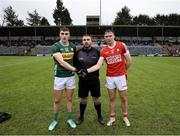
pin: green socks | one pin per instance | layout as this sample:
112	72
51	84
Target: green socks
69	115
55	116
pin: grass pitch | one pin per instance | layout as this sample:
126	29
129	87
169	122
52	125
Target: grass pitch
26	92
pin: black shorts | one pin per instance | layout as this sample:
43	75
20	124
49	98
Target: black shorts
86	85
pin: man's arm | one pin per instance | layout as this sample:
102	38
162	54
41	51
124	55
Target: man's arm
59	58
97	66
128	60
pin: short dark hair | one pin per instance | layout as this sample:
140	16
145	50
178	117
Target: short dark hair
109	31
64	29
87	35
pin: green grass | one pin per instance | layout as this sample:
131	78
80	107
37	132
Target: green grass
26	92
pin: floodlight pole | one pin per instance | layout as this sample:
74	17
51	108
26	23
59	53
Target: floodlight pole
100	14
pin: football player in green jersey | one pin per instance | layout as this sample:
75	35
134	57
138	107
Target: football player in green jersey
64	79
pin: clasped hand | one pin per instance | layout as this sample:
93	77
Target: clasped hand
82	72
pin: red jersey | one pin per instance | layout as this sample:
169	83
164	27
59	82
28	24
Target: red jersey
115	59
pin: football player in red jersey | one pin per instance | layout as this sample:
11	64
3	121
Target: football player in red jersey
118	60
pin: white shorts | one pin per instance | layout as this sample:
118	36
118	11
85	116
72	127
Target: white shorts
61	83
118	82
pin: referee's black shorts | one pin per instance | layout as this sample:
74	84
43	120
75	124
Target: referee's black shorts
86	85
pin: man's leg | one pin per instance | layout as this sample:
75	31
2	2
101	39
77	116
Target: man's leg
83	95
97	105
112	97
124	106
69	95
82	106
57	100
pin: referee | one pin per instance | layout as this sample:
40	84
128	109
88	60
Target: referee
83	59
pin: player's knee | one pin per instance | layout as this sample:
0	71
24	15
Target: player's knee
83	101
69	99
123	98
111	99
57	101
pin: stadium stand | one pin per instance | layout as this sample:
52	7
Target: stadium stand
141	40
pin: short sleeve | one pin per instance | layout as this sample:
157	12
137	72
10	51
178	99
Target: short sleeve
55	48
102	53
126	51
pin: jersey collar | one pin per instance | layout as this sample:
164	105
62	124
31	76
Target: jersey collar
67	44
113	45
87	50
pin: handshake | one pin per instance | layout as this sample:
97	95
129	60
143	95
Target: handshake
82	73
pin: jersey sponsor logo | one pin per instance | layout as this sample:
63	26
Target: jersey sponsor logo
113	59
67	55
66	49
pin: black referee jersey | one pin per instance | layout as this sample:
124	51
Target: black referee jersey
84	59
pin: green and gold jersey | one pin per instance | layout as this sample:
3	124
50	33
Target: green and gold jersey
67	53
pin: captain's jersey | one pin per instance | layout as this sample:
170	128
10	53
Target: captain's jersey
67	54
115	59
